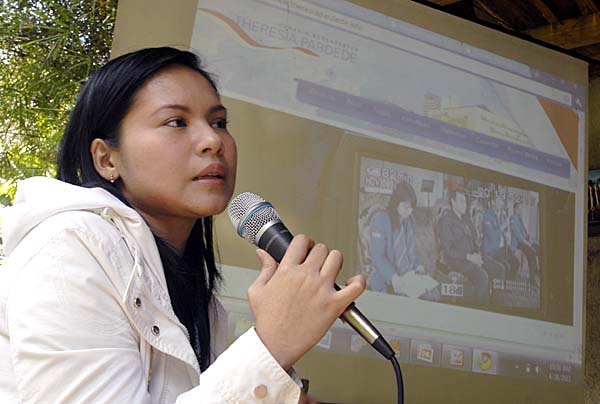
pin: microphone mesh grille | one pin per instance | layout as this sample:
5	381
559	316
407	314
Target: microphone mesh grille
240	205
241	211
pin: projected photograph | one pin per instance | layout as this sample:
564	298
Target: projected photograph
438	237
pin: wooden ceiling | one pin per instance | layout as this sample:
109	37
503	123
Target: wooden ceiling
569	25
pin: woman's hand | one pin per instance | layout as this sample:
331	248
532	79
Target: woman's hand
295	303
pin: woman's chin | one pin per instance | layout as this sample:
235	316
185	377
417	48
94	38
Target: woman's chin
213	206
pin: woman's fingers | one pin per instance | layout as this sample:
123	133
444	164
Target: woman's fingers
297	251
353	279
269	266
332	265
354	288
299	294
316	257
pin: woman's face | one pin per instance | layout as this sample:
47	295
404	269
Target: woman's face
176	159
405	209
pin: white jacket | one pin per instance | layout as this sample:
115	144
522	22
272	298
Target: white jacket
85	314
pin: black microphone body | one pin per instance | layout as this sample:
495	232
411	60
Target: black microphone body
271	235
275	240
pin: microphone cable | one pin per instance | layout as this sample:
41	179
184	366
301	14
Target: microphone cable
399	381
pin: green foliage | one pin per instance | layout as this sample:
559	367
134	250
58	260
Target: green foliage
47	50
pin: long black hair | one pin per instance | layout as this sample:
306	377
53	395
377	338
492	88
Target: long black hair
402	192
101	106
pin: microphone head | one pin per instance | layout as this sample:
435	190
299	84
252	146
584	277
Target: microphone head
249	213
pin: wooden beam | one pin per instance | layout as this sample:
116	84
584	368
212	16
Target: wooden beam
569	34
587	7
444	2
545	11
478	4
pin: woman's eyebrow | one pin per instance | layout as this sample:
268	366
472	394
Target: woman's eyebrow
185	108
173	106
217	108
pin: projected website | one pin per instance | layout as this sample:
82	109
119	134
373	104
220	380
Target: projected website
458	271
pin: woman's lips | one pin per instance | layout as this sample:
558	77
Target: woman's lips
214	172
209	177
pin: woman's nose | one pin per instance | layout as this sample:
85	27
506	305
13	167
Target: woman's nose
209	141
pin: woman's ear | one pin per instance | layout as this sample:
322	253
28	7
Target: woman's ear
105	160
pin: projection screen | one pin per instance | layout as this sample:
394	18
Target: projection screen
336	104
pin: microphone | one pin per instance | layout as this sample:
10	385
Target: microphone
256	221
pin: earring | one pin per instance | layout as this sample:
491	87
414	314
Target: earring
112	179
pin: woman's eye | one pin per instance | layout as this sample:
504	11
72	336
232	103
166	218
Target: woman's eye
220	124
176	123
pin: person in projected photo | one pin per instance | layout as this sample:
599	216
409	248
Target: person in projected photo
109	292
496	247
521	241
458	248
393	239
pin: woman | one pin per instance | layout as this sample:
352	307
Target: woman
393	239
109	291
